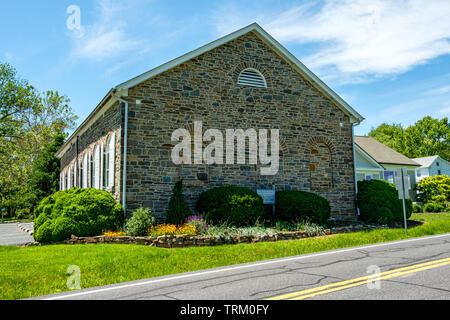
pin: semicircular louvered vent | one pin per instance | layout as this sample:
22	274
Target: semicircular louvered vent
252	78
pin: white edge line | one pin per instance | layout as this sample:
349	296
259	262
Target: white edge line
245	266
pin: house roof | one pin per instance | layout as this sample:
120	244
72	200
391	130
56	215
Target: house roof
268	39
383	154
425	162
264	36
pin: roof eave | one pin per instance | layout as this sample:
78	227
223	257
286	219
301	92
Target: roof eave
60	152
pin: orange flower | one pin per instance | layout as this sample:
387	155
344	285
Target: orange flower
171	229
114	234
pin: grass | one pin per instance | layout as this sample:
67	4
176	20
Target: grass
35	271
11	220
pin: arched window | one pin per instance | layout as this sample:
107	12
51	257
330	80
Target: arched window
96	177
65	180
252	78
75	174
84	176
105	165
108	161
91	171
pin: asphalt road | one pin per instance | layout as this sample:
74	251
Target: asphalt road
11	235
410	269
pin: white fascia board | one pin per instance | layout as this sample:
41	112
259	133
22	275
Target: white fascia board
91	119
359	170
300	67
366	156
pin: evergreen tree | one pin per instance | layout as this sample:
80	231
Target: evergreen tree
44	179
178	210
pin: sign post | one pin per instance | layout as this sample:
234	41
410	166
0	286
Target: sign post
268	196
403	185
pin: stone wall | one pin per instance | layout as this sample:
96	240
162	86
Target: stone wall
108	123
205	89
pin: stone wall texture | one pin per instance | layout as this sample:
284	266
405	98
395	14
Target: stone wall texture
108	123
316	136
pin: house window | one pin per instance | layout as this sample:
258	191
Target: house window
419	173
80	174
252	78
439	172
389	176
96	171
110	161
91	171
105	167
437	164
84	177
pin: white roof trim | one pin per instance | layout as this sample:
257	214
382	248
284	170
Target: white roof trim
366	156
265	37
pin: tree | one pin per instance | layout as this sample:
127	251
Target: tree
178	210
44	178
16	97
427	137
28	121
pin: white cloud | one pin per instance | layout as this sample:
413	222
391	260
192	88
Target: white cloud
357	38
106	37
439	91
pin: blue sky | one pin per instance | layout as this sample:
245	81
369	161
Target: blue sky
390	60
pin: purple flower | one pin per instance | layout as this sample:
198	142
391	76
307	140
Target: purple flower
198	222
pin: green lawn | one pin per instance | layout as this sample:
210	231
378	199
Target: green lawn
35	271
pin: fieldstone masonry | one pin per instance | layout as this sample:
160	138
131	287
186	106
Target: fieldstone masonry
316	136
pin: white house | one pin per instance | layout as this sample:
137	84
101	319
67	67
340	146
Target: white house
432	166
374	160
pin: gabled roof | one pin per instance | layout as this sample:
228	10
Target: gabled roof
426	162
262	34
383	154
268	39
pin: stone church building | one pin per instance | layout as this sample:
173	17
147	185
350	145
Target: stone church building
243	80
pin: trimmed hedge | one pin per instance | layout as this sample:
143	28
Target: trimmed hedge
80	212
296	206
417	208
237	206
378	202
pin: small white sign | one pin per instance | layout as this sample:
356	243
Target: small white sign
402	183
267	195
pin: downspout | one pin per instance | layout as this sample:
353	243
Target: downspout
125	146
354	167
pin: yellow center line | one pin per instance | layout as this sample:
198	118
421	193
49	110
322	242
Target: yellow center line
362	280
367	281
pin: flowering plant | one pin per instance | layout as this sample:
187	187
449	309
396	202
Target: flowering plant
114	234
171	229
198	222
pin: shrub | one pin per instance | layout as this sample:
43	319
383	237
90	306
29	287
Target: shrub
178	208
80	212
231	204
434	207
378	202
140	222
429	207
298	206
434	189
417	208
198	222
